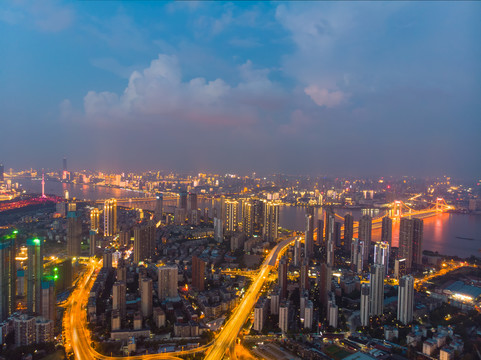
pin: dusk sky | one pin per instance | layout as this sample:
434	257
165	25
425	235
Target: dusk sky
333	88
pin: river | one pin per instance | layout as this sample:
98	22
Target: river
449	234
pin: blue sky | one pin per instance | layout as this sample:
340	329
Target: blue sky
341	88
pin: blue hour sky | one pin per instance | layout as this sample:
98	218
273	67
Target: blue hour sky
341	88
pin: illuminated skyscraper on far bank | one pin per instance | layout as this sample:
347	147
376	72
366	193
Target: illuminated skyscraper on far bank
110	217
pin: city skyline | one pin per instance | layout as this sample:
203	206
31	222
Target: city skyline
348	88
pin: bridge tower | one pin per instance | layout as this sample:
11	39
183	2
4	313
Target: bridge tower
397	209
439	204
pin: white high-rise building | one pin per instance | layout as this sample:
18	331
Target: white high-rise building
231	215
110	217
333	315
271	220
377	290
364	311
308	314
405	302
284	316
275	298
381	254
260	315
168	282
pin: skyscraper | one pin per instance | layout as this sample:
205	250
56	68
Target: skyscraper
159	206
282	277
348	231
248	219
377	290
119	298
144	241
110	217
2	171
168	282
364	310
49	298
146	296
183	200
74	233
271	220
410	242
365	228
309	235
284	316
231	215
320	232
34	275
304	275
95	219
7	275
64	164
386	231
192	201
198	273
381	254
405	302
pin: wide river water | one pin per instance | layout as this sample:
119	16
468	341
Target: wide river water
449	234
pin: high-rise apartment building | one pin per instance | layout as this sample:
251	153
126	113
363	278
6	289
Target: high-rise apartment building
320	232
248	219
365	308
282	277
405	302
192	201
144	241
49	298
381	254
119	298
110	217
377	290
95	219
308	314
183	200
146	296
410	242
348	231
284	316
309	235
386	230
8	274
159	206
34	275
304	275
231	215
2	171
365	229
168	282
271	220
74	233
198	273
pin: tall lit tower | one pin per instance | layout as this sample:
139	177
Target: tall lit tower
231	215
405	302
110	217
34	275
64	164
7	275
271	220
381	254
43	184
248	219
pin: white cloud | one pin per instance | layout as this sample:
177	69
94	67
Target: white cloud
160	92
324	97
